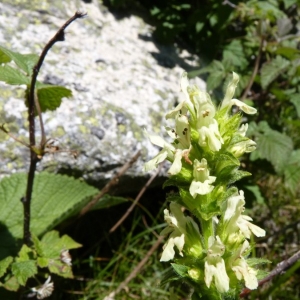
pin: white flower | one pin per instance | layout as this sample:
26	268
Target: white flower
215	265
65	257
210	136
242	147
242	270
45	290
203	112
235	221
176	231
182	230
243	129
201	183
174	152
229	102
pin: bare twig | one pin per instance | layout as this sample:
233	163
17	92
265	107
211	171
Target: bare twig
110	184
136	200
226	2
34	158
255	70
282	266
135	271
2	128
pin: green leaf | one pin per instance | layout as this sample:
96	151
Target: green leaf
254	261
26	62
289	3
108	201
55	198
43	262
37	245
284	26
292	172
13	76
60	269
11	284
295	99
4	58
52	244
180	269
256	191
25	254
4	264
50	96
215	67
272	145
234	55
288	52
24	270
272	69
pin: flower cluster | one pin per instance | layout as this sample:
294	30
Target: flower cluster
207	230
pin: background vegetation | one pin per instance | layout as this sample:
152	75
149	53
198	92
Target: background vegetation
259	40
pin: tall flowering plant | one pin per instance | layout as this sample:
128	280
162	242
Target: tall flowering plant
207	231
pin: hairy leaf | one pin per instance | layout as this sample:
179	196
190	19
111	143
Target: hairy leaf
292	172
271	70
25	254
295	99
180	269
52	244
4	264
11	284
13	76
274	146
234	55
55	198
26	62
24	270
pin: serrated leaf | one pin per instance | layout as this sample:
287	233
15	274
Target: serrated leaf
272	145
254	261
11	284
295	99
13	76
60	269
214	66
24	270
43	262
214	80
55	198
271	70
292	172
37	245
284	26
234	55
180	269
50	96
26	62
237	175
4	264
53	244
25	254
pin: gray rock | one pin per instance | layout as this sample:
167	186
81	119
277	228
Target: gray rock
122	83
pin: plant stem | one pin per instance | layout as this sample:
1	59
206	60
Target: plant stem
32	99
255	70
